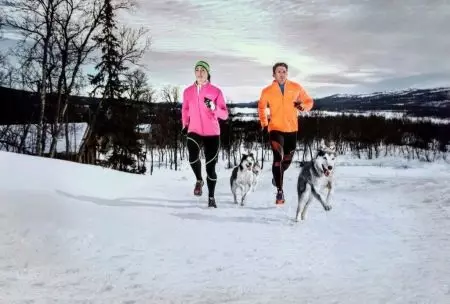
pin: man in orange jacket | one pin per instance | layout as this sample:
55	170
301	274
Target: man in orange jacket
285	98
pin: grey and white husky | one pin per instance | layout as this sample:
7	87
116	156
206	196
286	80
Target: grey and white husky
256	175
243	177
315	175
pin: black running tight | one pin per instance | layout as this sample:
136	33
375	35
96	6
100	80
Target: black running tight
211	145
283	149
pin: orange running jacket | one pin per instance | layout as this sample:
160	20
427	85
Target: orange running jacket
283	113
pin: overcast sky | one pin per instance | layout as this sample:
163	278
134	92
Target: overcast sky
335	46
331	46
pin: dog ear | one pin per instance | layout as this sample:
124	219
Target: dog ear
331	146
322	144
321	148
327	146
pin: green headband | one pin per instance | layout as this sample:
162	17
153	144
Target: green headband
203	64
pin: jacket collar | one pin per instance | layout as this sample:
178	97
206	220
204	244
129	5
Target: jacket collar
207	83
275	83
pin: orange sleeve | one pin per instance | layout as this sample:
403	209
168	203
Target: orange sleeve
262	105
305	99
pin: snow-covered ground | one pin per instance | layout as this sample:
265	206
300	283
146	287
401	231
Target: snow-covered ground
74	233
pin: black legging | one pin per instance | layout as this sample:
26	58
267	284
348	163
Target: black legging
283	148
211	145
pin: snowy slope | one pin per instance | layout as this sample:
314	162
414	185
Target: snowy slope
80	234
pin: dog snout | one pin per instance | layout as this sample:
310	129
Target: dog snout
330	168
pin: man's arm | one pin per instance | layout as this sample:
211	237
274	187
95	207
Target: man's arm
306	101
262	105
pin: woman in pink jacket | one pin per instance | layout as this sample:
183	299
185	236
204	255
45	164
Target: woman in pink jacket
203	106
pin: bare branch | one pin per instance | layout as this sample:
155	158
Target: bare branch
138	88
135	43
170	94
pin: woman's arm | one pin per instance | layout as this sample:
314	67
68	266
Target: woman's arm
185	111
221	107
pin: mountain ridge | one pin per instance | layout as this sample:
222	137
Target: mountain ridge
431	102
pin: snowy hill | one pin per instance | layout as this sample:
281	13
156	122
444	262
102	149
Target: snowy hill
74	233
415	102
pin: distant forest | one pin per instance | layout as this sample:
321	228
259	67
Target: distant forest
162	143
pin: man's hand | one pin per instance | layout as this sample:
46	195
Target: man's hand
298	105
265	132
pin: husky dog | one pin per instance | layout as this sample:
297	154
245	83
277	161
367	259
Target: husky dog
242	177
314	175
256	174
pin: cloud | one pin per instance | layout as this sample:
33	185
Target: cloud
178	67
404	37
346	46
352	45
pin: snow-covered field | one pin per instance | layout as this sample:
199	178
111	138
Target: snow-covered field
74	233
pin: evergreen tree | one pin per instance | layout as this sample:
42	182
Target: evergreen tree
117	121
111	67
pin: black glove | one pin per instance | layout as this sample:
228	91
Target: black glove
298	105
209	103
265	133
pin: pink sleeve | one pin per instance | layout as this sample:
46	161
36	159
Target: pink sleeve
185	111
221	107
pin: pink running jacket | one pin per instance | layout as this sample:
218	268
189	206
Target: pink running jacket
196	115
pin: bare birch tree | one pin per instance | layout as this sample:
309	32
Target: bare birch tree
77	22
171	96
35	20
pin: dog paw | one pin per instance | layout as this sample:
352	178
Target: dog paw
327	207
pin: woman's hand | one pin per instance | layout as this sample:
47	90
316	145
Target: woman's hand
210	104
